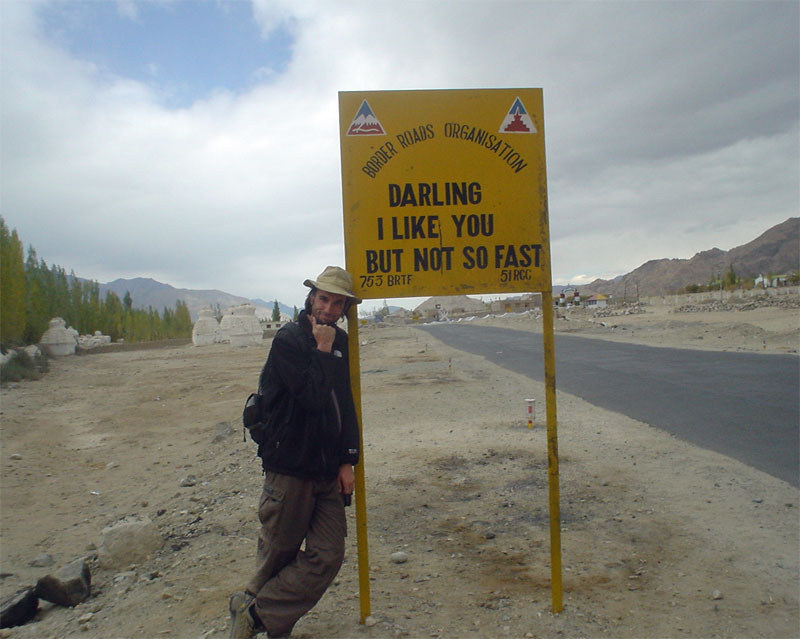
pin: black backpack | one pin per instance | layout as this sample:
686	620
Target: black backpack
256	413
254	418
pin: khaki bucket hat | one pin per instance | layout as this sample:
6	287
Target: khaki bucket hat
334	280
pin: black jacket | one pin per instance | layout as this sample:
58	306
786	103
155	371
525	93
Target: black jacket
311	420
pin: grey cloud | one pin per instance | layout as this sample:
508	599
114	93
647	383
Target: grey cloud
671	127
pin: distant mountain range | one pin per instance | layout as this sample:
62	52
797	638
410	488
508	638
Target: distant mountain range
146	292
776	252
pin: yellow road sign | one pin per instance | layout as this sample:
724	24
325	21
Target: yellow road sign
444	192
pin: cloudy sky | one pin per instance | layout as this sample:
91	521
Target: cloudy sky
196	142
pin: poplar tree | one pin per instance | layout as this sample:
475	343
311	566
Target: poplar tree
36	305
183	319
59	305
12	286
167	323
731	279
276	312
154	324
112	316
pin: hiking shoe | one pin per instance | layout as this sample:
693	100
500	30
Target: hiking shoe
242	624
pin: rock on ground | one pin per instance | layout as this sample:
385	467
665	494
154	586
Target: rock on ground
68	587
129	542
18	609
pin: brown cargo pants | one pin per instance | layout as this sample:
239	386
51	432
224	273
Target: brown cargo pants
290	581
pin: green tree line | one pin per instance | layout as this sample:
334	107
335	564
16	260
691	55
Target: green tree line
32	293
730	280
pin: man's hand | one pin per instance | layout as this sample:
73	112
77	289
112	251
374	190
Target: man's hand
347	479
323	333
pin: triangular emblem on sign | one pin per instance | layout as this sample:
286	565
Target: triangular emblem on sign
365	122
517	120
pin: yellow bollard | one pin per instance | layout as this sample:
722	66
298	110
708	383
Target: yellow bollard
531	408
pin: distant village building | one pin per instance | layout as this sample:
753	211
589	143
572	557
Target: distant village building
448	306
270	328
268	325
525	302
771	282
398	316
597	301
58	340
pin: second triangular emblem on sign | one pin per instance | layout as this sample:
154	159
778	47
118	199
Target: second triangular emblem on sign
365	122
517	120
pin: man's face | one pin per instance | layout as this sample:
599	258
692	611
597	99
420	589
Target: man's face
326	307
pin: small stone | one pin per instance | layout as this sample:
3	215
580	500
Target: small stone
15	456
222	431
399	557
112	464
189	480
85	618
19	608
128	541
128	575
68	587
371	621
716	594
42	561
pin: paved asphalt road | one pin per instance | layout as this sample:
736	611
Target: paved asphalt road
744	405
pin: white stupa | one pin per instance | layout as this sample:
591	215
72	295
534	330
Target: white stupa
58	340
206	329
241	326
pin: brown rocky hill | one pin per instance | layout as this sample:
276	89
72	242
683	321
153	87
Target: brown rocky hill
777	251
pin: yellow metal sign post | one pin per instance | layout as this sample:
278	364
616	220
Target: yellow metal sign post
445	193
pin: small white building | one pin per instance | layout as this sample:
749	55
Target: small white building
520	304
443	306
597	301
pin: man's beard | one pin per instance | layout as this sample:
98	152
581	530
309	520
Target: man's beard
322	321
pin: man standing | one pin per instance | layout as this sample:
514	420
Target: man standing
310	444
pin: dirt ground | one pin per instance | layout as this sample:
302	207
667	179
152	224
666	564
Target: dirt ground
659	538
